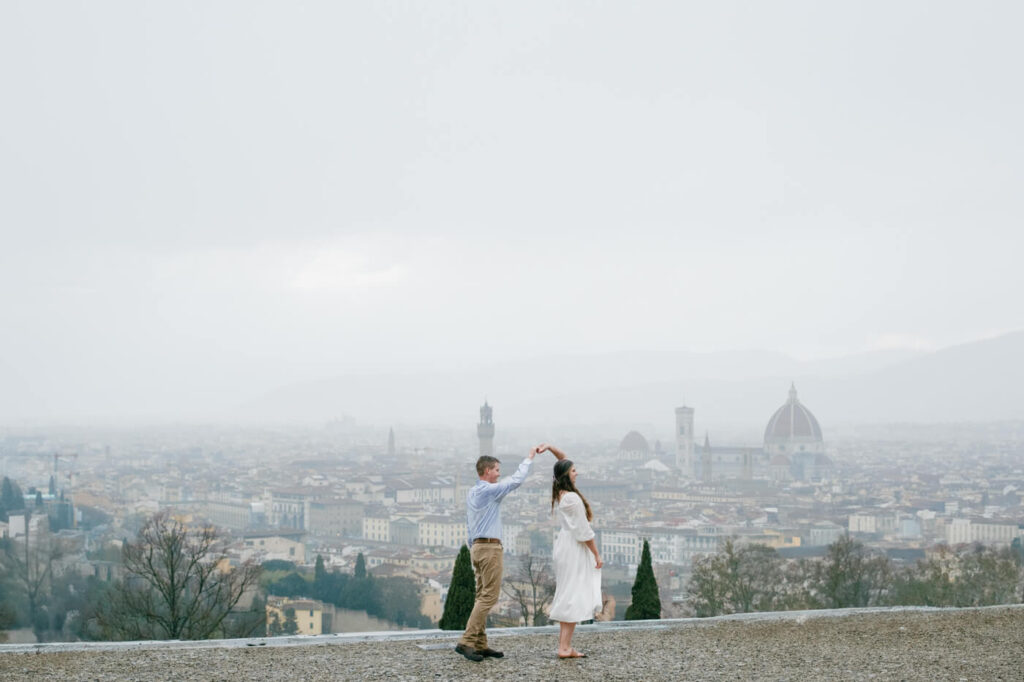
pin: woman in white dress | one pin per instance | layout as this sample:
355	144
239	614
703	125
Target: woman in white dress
577	561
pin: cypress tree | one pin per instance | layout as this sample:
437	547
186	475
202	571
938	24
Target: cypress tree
321	581
646	602
461	594
360	570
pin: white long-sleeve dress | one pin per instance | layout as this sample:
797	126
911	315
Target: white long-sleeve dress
577	580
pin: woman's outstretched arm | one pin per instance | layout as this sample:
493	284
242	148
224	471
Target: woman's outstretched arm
552	449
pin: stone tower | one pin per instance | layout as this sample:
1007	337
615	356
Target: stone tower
684	441
391	442
705	460
485	431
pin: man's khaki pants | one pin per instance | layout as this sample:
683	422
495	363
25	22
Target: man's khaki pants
487	564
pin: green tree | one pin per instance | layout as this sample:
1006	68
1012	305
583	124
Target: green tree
10	498
461	594
291	585
86	598
278	565
361	594
646	602
274	628
360	570
324	587
332	587
290	626
399	601
319	571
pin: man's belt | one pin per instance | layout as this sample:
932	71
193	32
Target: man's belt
476	540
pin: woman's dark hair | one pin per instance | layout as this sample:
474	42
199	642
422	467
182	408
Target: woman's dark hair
561	483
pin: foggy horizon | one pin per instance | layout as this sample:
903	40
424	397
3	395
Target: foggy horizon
203	207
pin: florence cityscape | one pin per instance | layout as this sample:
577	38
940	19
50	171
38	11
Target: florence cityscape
304	307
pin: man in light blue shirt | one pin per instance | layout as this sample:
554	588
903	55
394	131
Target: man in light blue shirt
483	506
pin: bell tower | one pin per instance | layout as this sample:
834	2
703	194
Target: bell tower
684	441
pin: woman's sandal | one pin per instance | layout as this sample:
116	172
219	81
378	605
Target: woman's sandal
574	654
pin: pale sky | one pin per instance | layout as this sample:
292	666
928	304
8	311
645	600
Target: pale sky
202	201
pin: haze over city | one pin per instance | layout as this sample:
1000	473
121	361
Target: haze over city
205	208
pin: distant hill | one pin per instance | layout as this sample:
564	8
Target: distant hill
979	381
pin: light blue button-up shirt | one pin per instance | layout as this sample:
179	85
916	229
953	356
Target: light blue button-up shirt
483	503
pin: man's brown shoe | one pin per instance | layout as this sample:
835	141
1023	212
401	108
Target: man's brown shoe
469	653
490	653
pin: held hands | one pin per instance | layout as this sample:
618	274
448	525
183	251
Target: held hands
546	447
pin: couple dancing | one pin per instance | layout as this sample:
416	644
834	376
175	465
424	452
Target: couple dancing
577	561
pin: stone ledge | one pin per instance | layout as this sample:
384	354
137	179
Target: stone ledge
440	635
849	644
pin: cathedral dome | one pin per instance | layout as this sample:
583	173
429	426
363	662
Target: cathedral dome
634	442
792	422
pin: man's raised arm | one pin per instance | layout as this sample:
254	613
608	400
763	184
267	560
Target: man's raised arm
507	485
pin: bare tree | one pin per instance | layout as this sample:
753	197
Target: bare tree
179	584
972	575
852	575
532	586
738	579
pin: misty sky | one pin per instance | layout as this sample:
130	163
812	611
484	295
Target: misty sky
200	201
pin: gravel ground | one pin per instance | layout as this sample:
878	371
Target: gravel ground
973	644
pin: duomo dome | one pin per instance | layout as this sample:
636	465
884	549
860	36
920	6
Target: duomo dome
793	428
634	442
